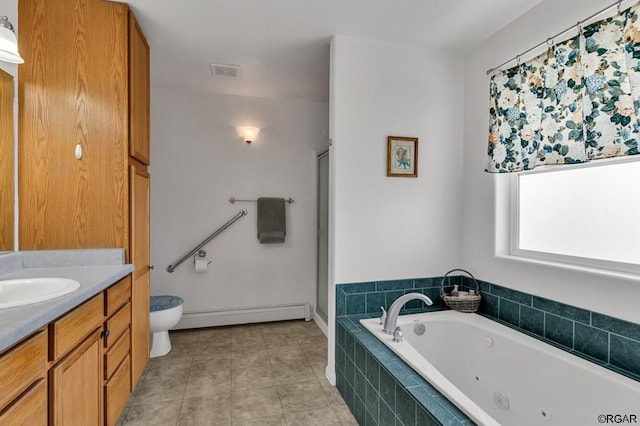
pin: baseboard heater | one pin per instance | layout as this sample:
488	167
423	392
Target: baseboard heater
244	316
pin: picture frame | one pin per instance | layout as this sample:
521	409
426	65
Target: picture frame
402	156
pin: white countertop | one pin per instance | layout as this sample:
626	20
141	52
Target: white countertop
21	321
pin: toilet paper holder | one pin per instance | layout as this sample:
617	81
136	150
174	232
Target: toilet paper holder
200	254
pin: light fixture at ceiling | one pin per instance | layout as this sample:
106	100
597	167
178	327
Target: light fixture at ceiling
8	43
248	133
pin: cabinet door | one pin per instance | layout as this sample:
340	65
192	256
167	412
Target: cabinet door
138	92
75	387
30	409
139	256
72	94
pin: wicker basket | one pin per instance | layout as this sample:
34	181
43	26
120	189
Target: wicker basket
467	304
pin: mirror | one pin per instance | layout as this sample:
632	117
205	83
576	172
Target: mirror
6	162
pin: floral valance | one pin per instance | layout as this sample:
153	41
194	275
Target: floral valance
577	102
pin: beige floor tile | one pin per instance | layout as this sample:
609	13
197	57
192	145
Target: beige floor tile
291	372
162	414
258	358
302	396
123	416
263	421
212	357
278	340
332	393
218	374
208	347
215	411
207	387
253	403
319	417
287	354
239	343
217	333
172	368
218	369
154	391
320	371
252	377
184	336
313	339
314	351
344	415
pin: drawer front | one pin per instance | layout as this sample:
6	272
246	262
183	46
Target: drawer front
116	392
72	328
117	324
116	354
30	409
21	366
117	296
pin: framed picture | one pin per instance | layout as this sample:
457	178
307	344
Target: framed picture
402	156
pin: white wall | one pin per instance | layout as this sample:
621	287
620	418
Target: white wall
611	295
198	162
390	228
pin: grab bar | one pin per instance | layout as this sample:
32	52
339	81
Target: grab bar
173	267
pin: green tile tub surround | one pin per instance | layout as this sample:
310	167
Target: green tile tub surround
380	389
604	340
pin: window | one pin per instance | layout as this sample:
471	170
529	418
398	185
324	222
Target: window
587	215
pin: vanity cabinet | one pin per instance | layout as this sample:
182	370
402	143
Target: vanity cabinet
75	371
75	380
84	133
117	343
75	385
23	375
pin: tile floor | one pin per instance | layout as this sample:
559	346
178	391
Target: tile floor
263	374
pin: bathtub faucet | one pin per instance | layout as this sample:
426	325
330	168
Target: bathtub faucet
392	315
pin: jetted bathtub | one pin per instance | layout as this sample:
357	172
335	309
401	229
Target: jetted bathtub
499	376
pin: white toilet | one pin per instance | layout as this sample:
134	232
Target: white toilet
166	312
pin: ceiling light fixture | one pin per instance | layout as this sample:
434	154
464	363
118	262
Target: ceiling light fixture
248	133
8	43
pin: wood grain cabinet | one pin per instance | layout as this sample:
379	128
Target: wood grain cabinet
75	385
23	389
117	344
84	145
75	371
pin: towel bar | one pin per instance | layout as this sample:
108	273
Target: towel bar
234	200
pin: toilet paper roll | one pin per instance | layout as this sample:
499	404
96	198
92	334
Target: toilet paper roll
202	265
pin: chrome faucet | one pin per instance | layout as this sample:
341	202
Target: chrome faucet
391	321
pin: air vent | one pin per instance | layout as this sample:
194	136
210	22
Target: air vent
225	70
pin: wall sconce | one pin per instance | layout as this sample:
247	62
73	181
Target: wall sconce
248	133
8	43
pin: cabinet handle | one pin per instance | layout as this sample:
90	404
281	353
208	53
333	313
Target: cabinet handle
151	267
105	333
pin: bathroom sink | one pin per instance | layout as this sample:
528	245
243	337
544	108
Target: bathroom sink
25	291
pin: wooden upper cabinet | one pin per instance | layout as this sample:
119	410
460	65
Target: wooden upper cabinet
138	93
73	94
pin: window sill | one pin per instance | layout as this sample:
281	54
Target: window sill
609	273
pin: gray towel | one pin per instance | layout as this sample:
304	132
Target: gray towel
271	220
